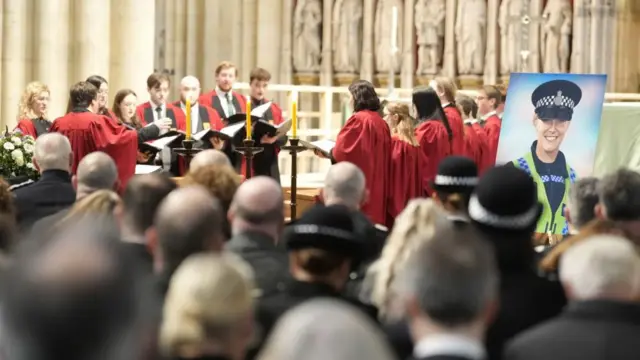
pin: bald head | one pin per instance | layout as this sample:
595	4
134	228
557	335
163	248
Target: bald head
53	152
189	89
258	201
96	171
345	185
188	221
190	81
207	158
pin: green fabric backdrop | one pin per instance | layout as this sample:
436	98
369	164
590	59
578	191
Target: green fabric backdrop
619	138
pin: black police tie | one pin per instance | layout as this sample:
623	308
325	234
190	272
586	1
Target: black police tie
159	112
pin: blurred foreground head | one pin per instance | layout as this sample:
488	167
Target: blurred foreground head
325	329
73	298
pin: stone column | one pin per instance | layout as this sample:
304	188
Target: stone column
93	37
595	55
366	66
534	63
408	46
180	43
449	58
160	35
133	45
492	58
580	42
608	34
326	76
2	121
269	25
210	58
13	61
249	19
233	14
192	39
286	66
169	37
52	59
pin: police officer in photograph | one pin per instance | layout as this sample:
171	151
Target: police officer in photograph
554	103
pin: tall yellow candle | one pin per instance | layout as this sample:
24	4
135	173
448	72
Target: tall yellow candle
188	111
294	113
248	111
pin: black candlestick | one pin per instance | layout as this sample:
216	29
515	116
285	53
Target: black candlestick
187	151
248	151
294	148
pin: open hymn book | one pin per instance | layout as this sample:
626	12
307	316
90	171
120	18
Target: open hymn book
324	146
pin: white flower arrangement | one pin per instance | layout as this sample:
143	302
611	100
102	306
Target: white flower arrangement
16	156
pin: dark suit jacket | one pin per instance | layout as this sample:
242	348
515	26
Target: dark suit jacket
52	193
586	330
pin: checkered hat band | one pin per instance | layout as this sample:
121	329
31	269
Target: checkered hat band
480	214
551	100
322	230
444	180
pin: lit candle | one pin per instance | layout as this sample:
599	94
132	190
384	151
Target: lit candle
188	111
248	110
294	113
394	30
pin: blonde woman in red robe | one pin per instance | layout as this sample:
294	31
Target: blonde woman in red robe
447	91
32	110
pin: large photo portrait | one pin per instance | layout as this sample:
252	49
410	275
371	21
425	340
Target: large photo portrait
550	130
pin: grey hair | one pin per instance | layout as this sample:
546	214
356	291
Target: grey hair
53	152
453	277
325	329
602	265
344	183
619	193
582	200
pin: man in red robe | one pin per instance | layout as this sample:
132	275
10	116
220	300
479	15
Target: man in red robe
157	107
477	148
88	132
365	140
223	99
488	101
446	90
202	116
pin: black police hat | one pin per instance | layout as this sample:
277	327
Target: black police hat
556	99
329	228
456	174
505	198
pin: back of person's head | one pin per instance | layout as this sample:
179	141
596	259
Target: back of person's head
400	121
325	329
493	94
8	238
209	303
103	204
82	94
96	171
141	199
451	280
222	181
456	179
207	158
73	298
445	86
344	184
582	201
467	106
619	194
428	107
53	152
364	96
7	206
604	267
188	221
258	204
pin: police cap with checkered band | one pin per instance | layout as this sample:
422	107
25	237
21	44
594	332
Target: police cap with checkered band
556	99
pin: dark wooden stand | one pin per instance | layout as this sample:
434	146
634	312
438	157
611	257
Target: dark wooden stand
294	148
248	150
187	151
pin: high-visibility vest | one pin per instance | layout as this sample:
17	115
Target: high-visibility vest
548	221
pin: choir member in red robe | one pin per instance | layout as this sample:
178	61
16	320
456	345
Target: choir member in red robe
158	107
265	163
477	148
405	180
103	94
88	132
433	133
447	90
503	93
32	110
488	100
365	140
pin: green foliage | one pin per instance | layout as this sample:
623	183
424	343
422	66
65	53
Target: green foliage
16	156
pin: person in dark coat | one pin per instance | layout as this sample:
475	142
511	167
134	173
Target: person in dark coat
456	178
257	219
602	320
321	245
505	209
53	191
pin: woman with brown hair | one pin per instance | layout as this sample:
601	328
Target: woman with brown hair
446	90
365	140
32	110
103	94
405	179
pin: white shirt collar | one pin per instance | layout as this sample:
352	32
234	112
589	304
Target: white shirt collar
487	115
444	105
183	106
470	121
222	93
449	344
154	106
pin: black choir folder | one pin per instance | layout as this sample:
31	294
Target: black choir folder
324	146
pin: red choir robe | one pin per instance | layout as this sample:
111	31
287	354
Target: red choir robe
405	181
265	163
208	119
33	127
212	100
435	146
144	112
492	129
476	145
365	140
457	129
88	132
